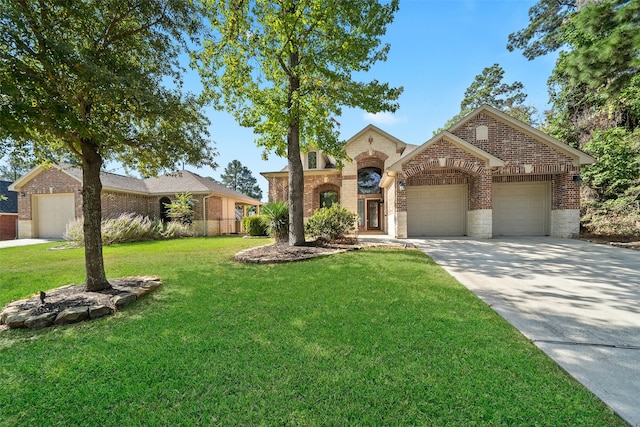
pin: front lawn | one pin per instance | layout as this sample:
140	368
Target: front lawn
374	337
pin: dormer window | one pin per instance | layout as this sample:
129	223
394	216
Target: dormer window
312	160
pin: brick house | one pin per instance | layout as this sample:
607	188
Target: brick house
48	198
8	212
489	175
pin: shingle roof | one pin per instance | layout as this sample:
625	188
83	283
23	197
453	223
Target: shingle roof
11	204
184	180
110	180
177	182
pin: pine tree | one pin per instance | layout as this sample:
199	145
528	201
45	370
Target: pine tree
239	178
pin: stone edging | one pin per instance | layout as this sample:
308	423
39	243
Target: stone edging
248	255
71	304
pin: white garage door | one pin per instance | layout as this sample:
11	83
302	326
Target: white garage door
52	212
521	209
436	210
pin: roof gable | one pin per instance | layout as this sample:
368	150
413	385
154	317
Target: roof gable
490	160
400	145
579	157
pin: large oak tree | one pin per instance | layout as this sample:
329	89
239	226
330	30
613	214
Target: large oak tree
286	68
88	79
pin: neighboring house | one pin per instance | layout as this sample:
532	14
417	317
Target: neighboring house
51	197
8	212
488	175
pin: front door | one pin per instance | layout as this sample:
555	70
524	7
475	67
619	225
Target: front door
373	214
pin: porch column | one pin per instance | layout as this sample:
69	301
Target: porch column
480	212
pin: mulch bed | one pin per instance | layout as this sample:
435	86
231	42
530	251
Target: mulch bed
283	252
629	242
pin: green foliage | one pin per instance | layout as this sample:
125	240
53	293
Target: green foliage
94	71
618	166
239	178
286	69
595	94
488	88
129	227
616	217
88	80
544	33
15	166
331	223
276	217
605	45
181	208
247	70
255	225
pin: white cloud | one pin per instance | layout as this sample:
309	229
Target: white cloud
383	118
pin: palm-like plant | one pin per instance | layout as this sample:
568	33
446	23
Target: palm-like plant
277	220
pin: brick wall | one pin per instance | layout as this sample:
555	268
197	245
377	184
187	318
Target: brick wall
8	224
313	185
511	145
278	189
214	208
526	159
115	203
444	163
48	182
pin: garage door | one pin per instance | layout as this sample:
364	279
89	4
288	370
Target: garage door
521	209
52	212
436	210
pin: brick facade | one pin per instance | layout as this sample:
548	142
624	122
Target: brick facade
8	226
485	148
219	209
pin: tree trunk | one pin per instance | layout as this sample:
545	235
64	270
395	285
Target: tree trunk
296	173
92	211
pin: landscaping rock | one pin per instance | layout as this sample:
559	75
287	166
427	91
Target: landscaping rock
10	310
72	315
97	311
71	303
124	299
40	321
17	319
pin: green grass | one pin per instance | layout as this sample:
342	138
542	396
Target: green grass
375	337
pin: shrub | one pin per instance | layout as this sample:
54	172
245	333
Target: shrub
619	217
254	225
175	229
129	227
181	209
331	223
277	220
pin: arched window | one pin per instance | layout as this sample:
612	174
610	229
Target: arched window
164	210
328	198
369	180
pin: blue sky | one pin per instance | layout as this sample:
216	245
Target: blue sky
437	48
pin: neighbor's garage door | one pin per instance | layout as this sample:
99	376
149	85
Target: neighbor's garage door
521	209
436	210
52	212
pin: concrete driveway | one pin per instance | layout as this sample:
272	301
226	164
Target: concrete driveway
23	242
577	301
